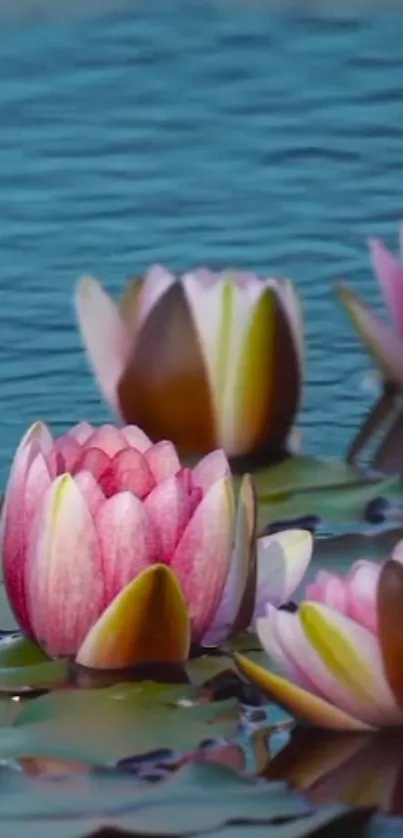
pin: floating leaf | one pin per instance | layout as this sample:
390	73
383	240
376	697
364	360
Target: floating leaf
196	799
40	676
106	725
312	486
301	473
19	651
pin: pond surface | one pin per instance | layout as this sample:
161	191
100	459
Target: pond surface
192	133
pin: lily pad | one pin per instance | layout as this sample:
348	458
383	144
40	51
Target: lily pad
196	799
25	668
329	489
103	726
303	472
19	651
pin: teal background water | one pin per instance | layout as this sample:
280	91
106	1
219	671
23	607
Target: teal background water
192	133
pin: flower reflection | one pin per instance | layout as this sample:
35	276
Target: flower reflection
362	769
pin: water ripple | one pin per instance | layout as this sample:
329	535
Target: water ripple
200	134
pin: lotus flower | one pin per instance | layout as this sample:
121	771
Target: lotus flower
385	344
342	651
210	360
115	555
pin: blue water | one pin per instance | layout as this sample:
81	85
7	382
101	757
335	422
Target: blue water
192	133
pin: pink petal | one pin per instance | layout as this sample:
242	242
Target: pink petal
14	540
105	336
66	454
202	558
390	275
362	585
169	508
109	439
351	670
65	585
300	654
38	433
329	589
127	539
81	432
128	471
210	469
90	489
136	438
270	633
380	339
163	460
38	480
95	461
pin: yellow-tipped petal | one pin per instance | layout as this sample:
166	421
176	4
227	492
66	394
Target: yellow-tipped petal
300	703
148	622
253	390
351	654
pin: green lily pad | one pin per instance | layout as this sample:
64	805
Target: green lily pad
301	473
195	800
25	668
103	726
208	666
18	651
40	676
330	489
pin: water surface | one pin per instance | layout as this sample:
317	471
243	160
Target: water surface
192	133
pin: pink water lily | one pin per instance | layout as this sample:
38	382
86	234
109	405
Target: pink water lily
341	653
209	359
383	341
114	554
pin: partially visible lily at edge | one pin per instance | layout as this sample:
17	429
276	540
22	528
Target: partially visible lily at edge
208	360
384	342
115	555
341	653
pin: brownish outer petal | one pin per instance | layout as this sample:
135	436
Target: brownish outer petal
164	388
390	615
246	609
286	388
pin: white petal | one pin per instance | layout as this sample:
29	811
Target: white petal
105	335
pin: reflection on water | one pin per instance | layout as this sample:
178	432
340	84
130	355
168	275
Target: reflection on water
358	769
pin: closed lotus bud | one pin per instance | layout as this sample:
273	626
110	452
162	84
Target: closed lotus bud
115	555
209	360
